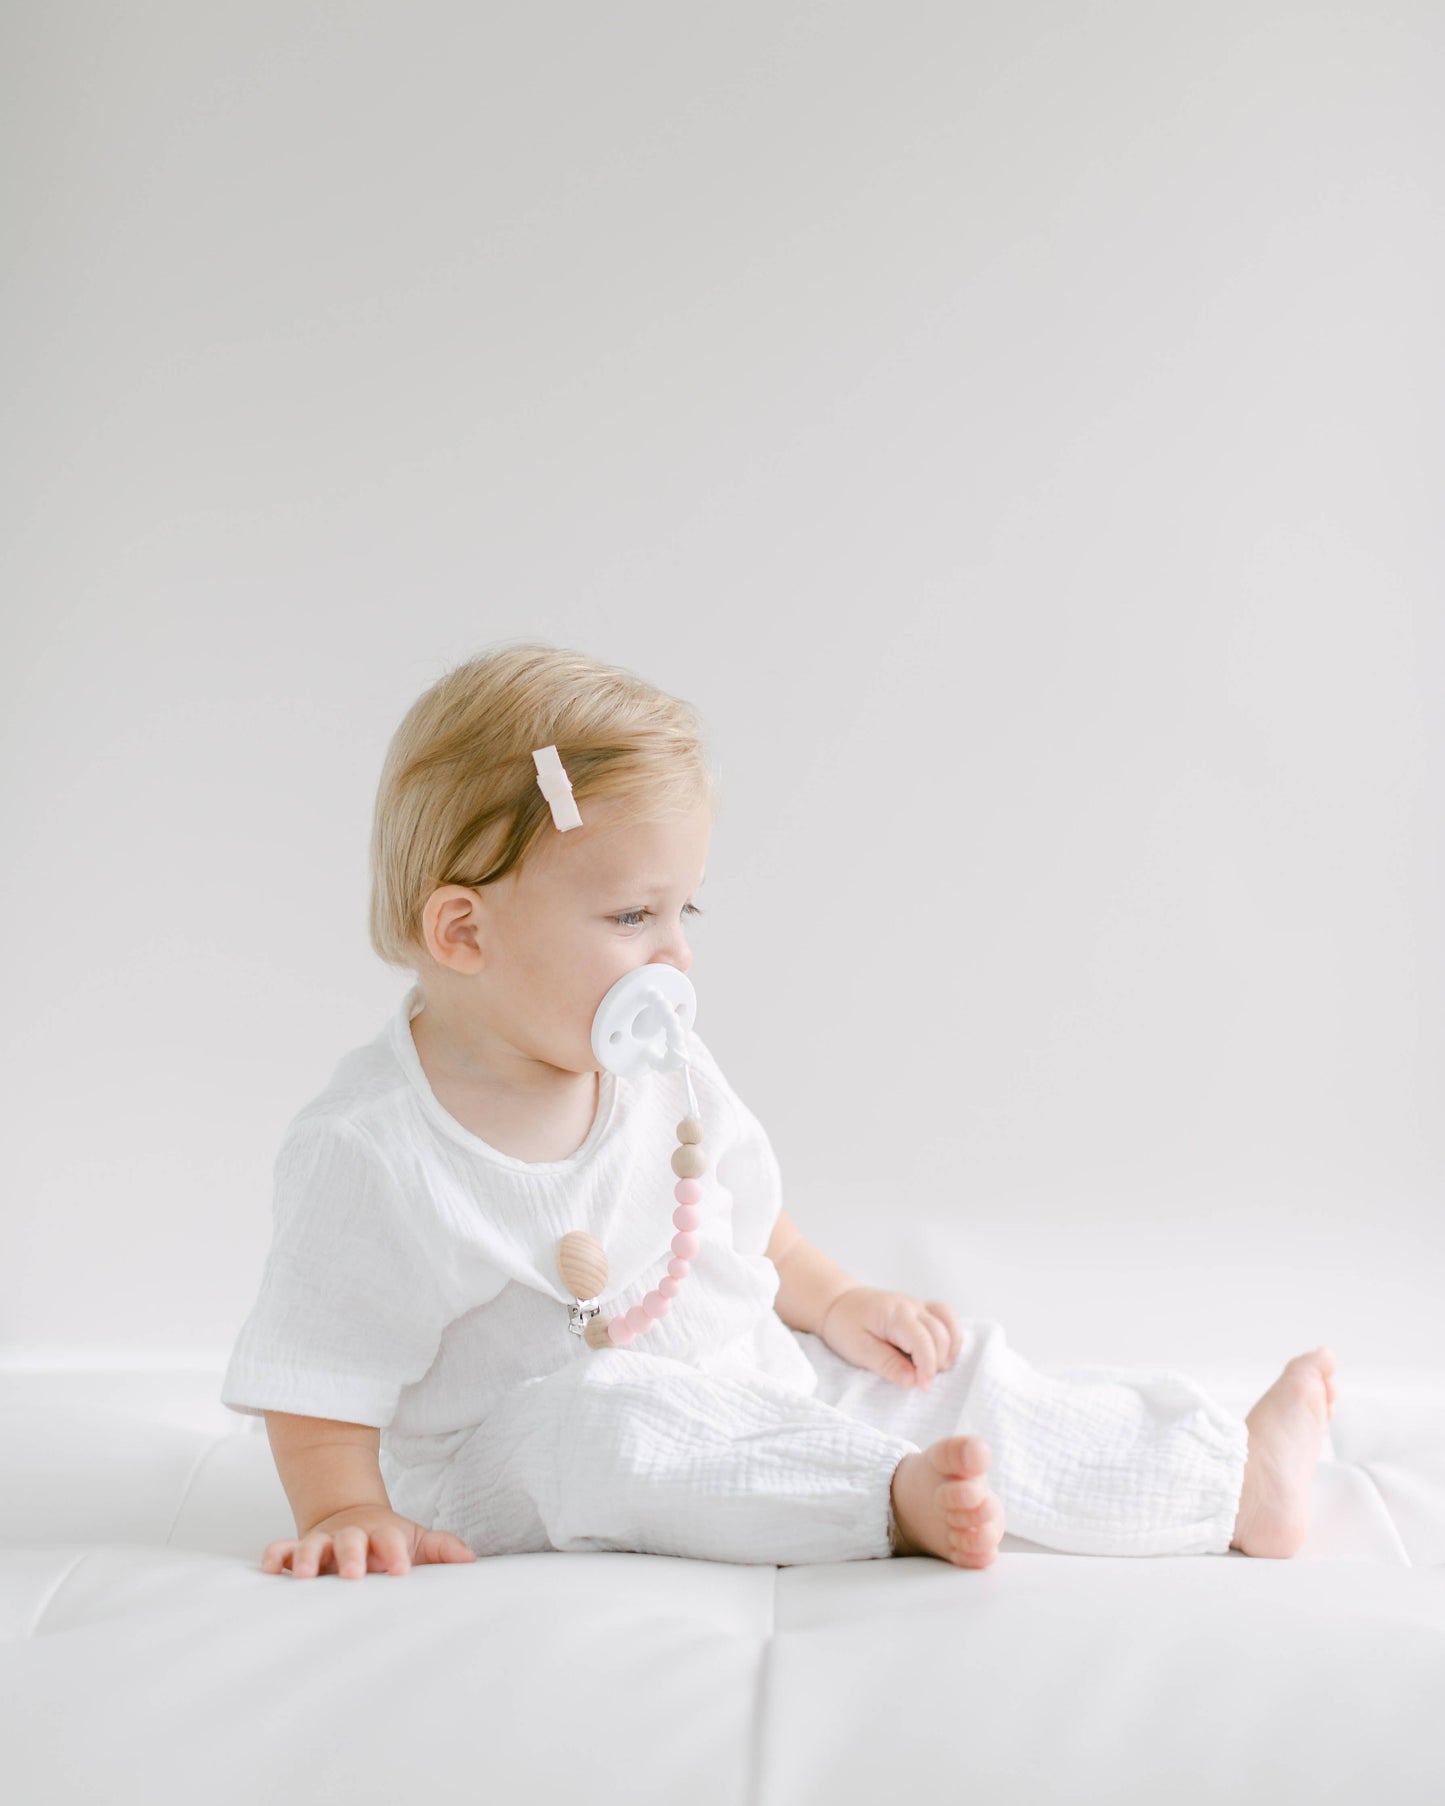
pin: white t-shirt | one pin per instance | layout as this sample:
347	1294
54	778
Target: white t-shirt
412	1275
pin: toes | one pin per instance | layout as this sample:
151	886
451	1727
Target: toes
974	1454
986	1515
963	1495
1323	1362
960	1455
1318	1361
977	1548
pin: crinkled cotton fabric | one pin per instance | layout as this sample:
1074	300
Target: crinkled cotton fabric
411	1284
412	1279
634	1451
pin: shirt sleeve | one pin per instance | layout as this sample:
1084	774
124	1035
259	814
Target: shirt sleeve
747	1164
749	1169
352	1304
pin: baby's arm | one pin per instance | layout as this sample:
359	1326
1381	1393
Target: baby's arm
905	1340
332	1476
808	1282
325	1466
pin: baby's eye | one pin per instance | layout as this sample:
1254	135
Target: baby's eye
625	921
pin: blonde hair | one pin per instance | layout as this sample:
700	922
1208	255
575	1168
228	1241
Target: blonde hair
458	800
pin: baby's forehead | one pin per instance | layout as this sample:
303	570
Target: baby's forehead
655	854
617	852
641	876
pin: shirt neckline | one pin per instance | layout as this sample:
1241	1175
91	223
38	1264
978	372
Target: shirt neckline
407	1056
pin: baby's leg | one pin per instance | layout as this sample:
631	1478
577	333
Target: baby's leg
626	1450
1089	1461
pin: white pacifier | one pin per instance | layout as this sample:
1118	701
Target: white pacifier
639	1022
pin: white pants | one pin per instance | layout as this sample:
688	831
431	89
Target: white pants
626	1450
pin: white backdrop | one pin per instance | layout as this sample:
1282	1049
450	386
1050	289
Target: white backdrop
1015	427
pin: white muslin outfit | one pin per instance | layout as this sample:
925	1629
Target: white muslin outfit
412	1284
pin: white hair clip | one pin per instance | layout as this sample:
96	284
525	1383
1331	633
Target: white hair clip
556	786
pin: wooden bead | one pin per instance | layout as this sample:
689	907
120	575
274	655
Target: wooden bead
582	1262
689	1162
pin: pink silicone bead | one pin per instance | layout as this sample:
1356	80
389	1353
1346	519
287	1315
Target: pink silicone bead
668	1287
638	1319
679	1269
685	1246
618	1332
687	1216
657	1304
688	1191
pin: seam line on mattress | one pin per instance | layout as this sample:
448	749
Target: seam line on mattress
201	1461
1389	1515
54	1593
760	1706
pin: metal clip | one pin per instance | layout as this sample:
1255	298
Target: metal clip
581	1314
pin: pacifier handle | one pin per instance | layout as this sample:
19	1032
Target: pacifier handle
655	991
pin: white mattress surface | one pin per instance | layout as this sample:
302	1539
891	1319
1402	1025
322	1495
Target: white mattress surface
145	1656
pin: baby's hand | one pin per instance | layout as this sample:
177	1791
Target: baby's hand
363	1539
869	1327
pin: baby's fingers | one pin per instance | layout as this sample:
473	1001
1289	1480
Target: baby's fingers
310	1553
939	1333
953	1330
393	1550
350	1543
275	1557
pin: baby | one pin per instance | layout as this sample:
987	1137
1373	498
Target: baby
427	1387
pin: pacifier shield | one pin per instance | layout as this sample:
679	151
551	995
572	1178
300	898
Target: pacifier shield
628	1031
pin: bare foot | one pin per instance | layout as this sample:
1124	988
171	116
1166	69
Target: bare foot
943	1504
1286	1430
